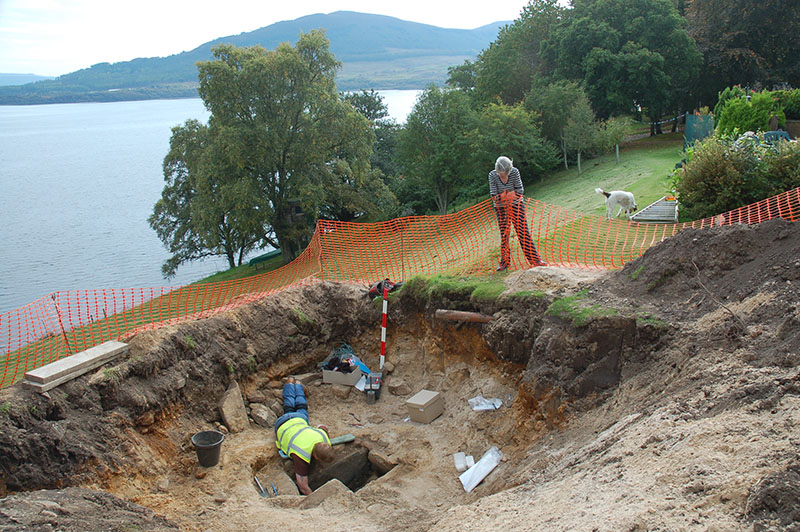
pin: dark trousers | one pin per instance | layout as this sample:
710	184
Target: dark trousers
509	213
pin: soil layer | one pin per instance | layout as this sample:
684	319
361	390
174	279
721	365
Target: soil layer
661	396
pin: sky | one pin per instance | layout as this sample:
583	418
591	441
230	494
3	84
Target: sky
54	37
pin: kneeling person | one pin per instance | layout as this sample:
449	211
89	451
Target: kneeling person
297	439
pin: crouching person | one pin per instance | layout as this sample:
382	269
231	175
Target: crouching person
297	439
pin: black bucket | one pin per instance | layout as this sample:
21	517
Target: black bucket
207	444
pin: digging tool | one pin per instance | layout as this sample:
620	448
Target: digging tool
261	490
274	489
344	438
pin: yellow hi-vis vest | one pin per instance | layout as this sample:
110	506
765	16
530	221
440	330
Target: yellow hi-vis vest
295	436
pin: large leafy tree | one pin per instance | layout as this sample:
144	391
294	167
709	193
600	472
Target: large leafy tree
435	147
629	54
288	128
580	131
206	206
508	66
745	42
281	146
384	150
513	131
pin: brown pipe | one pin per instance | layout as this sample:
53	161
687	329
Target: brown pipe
462	315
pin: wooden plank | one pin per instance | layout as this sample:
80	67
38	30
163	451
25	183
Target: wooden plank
67	368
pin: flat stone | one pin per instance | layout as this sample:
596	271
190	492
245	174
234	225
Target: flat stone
256	397
232	409
146	419
263	416
277	407
398	387
381	462
331	488
341	391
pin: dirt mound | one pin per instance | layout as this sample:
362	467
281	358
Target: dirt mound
77	509
662	396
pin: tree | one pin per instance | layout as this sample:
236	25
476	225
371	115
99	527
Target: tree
580	132
206	207
462	76
435	145
610	134
629	54
513	131
745	42
281	147
285	126
554	101
384	150
508	66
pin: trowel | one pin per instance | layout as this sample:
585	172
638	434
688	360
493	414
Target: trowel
260	488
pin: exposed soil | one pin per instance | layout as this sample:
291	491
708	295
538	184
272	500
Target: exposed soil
662	396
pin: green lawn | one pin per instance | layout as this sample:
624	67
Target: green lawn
644	168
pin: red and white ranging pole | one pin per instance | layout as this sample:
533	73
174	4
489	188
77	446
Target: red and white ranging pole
383	324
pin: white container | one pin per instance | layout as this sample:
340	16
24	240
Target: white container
460	460
475	474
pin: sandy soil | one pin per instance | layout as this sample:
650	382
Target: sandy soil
663	396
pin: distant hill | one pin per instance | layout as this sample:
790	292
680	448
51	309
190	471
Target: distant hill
20	79
377	52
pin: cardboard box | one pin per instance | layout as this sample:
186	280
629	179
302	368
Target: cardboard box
337	377
425	406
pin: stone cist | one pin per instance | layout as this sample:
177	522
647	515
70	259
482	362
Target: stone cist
296	439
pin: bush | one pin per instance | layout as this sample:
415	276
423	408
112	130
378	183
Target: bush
789	101
729	93
738	114
724	173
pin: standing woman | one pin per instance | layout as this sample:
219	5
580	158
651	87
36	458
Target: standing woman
505	187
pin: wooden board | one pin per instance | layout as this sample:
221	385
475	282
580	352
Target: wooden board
49	376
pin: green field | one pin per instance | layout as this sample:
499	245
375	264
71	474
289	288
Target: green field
644	168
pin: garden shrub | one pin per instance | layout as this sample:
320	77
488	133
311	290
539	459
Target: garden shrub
789	101
723	173
738	114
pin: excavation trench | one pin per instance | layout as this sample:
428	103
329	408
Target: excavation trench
630	400
394	466
127	428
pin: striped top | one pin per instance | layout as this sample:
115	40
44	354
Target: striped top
514	182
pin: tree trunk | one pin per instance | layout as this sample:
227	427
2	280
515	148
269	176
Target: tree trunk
579	162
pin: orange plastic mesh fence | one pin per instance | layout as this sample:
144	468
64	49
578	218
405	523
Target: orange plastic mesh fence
462	243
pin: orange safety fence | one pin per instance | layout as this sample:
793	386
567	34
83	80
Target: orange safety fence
466	242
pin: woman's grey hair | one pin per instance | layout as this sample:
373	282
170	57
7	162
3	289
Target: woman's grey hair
503	164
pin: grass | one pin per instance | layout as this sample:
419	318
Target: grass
644	168
570	309
478	288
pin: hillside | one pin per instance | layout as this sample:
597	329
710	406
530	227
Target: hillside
377	52
20	79
662	396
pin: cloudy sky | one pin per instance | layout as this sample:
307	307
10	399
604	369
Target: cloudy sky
54	37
